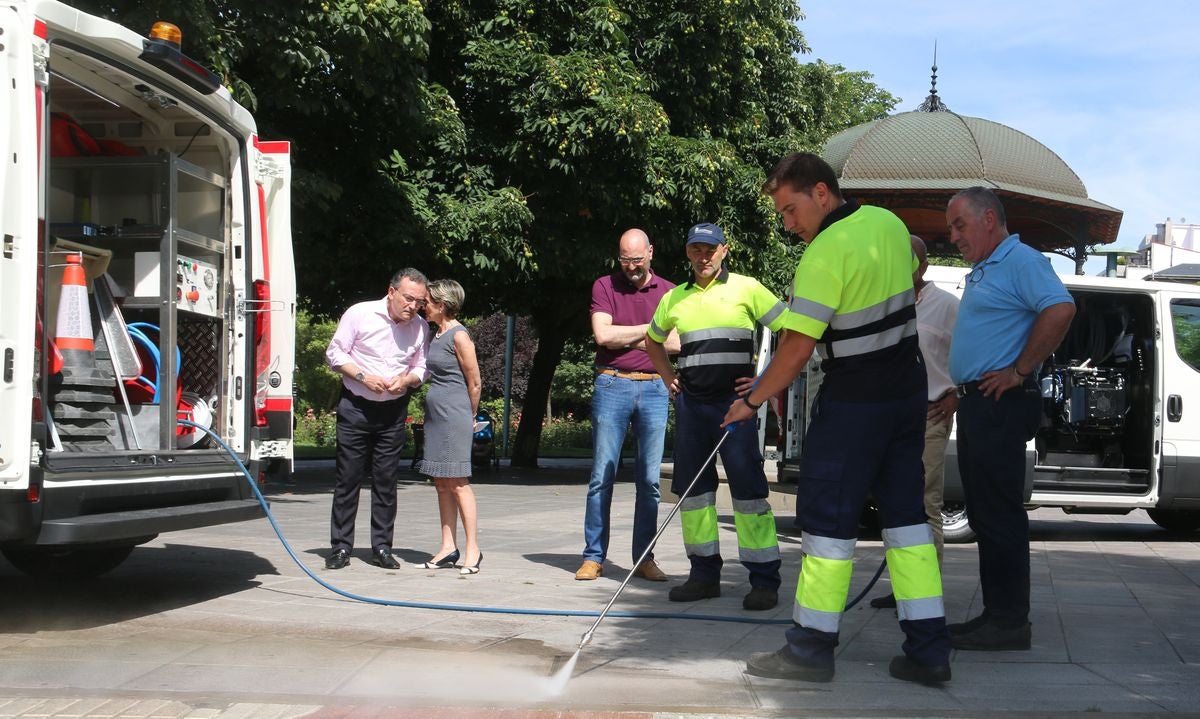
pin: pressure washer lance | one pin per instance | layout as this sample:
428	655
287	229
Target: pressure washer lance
587	636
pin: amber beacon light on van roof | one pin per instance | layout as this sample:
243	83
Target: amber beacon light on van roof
162	49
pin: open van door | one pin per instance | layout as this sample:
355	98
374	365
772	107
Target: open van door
1178	506
22	82
275	310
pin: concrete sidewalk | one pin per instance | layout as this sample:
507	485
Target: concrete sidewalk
220	623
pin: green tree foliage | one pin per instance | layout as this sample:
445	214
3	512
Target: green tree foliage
316	386
583	118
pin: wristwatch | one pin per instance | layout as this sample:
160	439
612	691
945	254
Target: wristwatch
360	376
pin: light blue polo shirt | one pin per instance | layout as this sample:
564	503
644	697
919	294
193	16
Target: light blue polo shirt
1003	297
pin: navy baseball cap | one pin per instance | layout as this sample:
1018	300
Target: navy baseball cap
706	232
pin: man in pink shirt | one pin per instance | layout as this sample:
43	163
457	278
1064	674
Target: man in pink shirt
379	350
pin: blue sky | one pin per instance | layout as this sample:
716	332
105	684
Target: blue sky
1112	87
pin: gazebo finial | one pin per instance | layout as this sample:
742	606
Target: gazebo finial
933	103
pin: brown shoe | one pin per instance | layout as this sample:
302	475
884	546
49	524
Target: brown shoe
589	570
649	571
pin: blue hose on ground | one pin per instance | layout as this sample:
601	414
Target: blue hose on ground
476	608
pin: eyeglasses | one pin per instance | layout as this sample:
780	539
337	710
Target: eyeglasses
409	299
975	275
631	260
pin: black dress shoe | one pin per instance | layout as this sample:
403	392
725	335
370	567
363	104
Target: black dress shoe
968	626
782	665
382	557
760	599
902	667
989	637
337	560
887	601
694	590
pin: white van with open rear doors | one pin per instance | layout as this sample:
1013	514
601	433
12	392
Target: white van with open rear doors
146	279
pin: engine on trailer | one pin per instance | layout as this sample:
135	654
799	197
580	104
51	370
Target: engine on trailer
1084	400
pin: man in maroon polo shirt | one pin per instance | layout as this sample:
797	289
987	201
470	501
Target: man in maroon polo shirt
627	390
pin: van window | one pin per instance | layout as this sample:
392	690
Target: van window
1185	317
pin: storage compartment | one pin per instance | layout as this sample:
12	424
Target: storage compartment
153	230
1098	394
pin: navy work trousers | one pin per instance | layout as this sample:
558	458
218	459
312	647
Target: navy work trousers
697	431
852	449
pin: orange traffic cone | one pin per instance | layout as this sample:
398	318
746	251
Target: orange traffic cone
81	403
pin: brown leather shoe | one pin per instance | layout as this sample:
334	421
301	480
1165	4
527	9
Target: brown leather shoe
589	570
649	571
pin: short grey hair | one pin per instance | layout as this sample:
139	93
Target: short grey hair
410	274
982	199
449	294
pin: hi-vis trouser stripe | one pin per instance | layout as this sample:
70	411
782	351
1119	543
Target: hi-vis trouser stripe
698	516
824	582
916	579
755	524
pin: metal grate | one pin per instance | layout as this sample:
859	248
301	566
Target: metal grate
200	343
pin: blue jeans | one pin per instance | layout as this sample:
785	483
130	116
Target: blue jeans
616	403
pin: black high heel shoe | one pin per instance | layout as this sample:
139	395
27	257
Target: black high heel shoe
446	562
472	570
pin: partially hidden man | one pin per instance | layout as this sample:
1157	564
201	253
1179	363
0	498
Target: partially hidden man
853	301
715	315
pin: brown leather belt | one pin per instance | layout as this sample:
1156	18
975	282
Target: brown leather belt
635	376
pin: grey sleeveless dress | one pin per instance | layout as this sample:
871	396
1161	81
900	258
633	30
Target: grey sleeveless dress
448	416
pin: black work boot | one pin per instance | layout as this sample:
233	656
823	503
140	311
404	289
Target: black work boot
903	667
694	590
783	665
990	637
760	599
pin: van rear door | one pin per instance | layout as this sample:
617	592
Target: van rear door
1181	400
22	77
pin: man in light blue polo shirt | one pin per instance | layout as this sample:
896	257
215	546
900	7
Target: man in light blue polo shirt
1014	313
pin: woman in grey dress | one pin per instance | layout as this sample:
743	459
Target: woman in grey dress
450	408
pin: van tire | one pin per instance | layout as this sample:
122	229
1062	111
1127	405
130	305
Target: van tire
955	528
61	562
1176	520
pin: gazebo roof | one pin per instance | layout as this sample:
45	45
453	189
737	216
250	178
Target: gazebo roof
913	162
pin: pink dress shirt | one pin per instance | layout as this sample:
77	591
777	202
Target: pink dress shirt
369	337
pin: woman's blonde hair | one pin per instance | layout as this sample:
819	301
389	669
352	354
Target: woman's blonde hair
449	294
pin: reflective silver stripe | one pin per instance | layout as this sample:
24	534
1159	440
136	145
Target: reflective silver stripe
700	501
913	535
827	547
766	554
771	314
927	608
815	310
708	549
656	330
716	333
816	619
874	313
873	342
751	506
714	358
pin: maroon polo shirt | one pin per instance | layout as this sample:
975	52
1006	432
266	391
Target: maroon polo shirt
614	295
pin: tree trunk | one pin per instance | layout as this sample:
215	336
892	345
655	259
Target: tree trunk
551	337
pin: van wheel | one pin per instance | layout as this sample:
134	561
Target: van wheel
1176	520
955	529
64	562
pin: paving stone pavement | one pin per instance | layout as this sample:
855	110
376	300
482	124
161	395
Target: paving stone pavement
220	623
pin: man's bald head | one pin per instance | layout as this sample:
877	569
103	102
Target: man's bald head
634	252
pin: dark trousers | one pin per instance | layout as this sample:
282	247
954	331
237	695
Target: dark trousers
991	438
370	436
697	431
852	449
